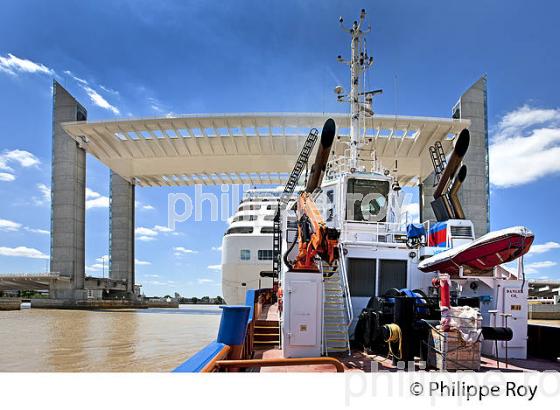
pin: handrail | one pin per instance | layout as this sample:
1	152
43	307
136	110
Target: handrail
301	361
211	365
388	229
349	309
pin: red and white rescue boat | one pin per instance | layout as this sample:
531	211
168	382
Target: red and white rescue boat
482	254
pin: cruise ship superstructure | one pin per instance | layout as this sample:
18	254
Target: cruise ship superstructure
247	252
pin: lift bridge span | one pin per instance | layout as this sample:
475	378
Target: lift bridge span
214	149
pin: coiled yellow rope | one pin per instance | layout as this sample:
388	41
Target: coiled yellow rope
395	336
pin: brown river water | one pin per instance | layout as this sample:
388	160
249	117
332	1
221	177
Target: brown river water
144	340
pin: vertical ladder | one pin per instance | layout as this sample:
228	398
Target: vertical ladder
300	163
276	243
337	309
438	160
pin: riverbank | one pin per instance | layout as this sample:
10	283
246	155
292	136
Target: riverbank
10	303
93	304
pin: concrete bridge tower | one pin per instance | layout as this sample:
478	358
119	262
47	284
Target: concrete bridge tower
68	197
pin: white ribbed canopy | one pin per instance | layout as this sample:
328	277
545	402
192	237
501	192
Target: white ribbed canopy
250	148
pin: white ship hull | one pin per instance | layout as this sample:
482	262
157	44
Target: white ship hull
240	275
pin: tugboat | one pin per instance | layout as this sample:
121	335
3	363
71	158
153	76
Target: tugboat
348	277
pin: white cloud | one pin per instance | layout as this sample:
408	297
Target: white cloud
102	202
91	194
525	147
145	238
102	264
93	95
533	268
544	247
148	234
141	206
104	258
108	90
160	228
215	267
9	226
40	231
24	158
98	100
153	275
543	264
217	248
14	65
142	230
45	197
7	177
202	281
96	200
139	262
97	267
23	251
526	117
181	250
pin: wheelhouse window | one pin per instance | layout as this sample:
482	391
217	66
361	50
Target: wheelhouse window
265	254
367	200
267	229
245	254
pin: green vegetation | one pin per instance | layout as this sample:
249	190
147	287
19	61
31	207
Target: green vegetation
205	300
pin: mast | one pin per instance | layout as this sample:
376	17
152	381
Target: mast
359	62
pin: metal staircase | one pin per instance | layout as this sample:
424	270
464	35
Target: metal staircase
337	309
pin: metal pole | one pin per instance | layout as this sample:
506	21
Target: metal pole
359	61
354	99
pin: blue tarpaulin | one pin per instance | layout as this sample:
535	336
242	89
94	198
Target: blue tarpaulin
415	230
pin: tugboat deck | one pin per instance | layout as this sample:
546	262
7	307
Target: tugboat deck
360	361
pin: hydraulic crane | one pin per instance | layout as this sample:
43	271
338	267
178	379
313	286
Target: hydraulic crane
314	237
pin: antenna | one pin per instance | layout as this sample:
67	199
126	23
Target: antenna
359	62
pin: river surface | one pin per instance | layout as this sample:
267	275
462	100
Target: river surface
143	340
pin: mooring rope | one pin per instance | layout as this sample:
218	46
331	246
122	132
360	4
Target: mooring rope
395	336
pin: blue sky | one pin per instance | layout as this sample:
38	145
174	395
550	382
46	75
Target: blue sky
145	58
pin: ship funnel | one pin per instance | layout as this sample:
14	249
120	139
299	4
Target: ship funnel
461	147
319	166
